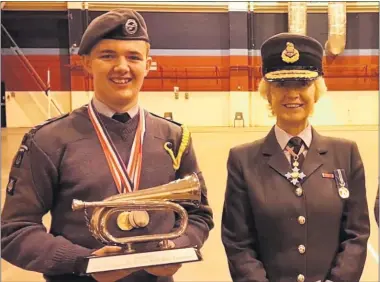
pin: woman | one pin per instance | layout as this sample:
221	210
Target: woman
295	204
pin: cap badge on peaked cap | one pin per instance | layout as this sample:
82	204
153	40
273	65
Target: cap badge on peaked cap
290	55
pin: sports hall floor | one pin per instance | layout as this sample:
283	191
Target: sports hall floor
212	146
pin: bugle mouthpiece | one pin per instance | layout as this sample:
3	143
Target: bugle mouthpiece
77	205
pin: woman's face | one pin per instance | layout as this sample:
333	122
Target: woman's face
292	101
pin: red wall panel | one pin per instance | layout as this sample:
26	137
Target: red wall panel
190	73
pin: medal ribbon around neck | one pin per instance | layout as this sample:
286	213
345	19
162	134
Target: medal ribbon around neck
124	177
294	155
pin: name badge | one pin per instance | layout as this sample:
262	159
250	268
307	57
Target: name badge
341	183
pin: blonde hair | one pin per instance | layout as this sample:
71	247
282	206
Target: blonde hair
319	83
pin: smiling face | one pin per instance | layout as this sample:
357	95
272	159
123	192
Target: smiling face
292	101
118	68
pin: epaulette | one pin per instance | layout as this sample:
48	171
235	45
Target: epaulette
39	126
169	120
182	147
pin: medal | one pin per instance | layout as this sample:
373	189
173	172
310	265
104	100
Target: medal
343	192
123	221
295	175
126	178
340	180
139	218
133	219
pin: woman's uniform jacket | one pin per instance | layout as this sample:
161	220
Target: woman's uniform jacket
271	233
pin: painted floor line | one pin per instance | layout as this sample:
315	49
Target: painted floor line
374	254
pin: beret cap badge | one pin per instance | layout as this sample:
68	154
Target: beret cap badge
131	26
290	54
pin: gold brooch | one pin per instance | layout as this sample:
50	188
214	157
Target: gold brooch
290	54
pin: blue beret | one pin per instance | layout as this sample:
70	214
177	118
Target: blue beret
122	24
287	56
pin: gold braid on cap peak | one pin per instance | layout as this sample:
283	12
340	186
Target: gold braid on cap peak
182	147
292	74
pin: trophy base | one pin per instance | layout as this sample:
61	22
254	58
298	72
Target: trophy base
94	264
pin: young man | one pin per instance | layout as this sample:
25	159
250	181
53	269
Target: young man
69	158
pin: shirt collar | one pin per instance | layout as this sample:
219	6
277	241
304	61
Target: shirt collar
107	111
283	137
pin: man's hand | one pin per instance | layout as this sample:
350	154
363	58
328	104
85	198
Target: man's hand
114	275
163	270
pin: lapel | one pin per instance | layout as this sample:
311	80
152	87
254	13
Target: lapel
278	161
314	159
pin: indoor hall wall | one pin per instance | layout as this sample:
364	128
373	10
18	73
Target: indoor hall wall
220	52
30	108
218	108
205	109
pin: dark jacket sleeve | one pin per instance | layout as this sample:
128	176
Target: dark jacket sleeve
25	241
238	232
200	217
376	209
355	226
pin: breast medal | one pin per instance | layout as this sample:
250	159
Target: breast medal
341	183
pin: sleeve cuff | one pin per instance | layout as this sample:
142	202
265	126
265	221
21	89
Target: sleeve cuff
66	258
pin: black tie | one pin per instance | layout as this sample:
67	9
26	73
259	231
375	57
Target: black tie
296	143
121	117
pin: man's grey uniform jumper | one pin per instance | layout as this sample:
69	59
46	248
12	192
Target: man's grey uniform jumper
64	161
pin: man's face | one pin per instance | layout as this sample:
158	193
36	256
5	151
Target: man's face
118	68
292	101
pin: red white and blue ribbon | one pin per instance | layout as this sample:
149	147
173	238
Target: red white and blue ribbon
126	178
